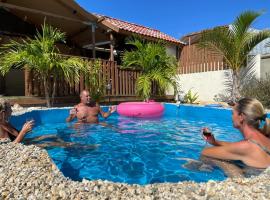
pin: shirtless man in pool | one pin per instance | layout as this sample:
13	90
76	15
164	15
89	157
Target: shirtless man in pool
87	111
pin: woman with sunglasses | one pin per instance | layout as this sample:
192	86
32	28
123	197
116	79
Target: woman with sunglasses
250	118
7	131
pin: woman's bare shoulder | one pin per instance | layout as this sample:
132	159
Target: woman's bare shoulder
240	147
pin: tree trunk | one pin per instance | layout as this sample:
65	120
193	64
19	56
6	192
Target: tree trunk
54	89
235	85
27	81
46	91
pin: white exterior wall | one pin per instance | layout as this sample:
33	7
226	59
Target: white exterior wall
211	83
206	84
265	66
171	50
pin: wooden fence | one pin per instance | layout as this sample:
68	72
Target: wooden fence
194	60
122	82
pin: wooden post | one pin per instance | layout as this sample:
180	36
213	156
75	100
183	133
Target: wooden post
93	40
112	67
116	79
111	47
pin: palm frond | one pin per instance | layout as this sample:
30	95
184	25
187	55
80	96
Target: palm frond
254	40
156	66
143	86
41	55
218	42
234	43
242	24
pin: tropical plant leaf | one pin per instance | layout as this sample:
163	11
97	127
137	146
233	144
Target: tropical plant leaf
234	43
41	56
153	62
94	80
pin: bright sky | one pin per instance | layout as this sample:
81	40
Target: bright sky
179	17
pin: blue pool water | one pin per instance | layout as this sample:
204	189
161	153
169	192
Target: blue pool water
130	150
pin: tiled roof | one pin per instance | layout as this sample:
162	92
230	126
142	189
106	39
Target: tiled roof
142	30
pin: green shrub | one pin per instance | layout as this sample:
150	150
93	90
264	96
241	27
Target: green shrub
190	98
259	89
94	80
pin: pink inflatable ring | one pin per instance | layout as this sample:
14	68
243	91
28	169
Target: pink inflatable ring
140	109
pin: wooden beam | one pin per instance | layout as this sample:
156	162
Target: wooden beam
90	46
10	6
93	40
102	49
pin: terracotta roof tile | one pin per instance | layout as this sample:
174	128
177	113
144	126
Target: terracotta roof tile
142	30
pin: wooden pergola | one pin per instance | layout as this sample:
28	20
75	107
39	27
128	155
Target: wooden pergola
88	35
80	26
82	29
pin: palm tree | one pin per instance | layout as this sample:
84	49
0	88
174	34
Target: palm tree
234	44
41	56
93	79
155	66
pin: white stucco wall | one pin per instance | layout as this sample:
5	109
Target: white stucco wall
206	84
209	84
171	50
265	66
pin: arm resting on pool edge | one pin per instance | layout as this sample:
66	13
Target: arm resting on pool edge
10	129
221	143
211	140
230	169
230	151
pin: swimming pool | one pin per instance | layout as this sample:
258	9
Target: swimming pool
130	150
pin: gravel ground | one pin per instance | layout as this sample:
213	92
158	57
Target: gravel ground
27	172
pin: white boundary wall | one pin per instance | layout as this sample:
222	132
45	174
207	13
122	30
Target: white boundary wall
208	84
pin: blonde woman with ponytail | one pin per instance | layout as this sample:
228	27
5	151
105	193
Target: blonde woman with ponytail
250	118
